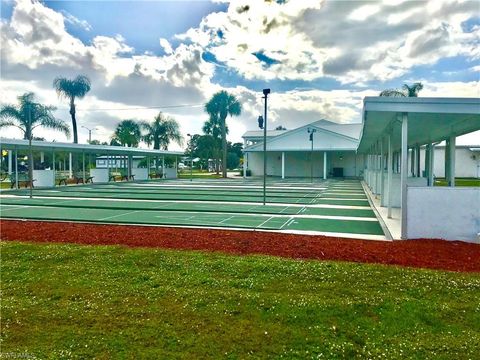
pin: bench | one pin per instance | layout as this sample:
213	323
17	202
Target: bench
114	176
61	179
23	178
155	175
78	177
126	177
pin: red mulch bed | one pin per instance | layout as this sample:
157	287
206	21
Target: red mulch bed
433	254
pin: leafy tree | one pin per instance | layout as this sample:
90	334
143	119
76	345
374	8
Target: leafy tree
161	132
213	129
29	115
218	108
405	91
127	133
204	147
71	89
280	127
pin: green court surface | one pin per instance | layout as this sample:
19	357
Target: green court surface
329	207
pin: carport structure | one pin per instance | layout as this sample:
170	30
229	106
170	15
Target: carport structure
393	131
49	154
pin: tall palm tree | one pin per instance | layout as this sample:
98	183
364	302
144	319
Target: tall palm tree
71	89
213	128
406	91
219	107
127	133
161	132
28	116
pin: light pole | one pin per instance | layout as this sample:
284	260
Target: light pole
191	158
311	131
89	133
262	123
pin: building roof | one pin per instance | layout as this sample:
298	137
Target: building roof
429	119
12	144
259	133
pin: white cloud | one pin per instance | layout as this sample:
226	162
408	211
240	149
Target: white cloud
364	12
76	21
165	44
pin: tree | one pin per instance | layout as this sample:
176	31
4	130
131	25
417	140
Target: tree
280	127
218	108
71	89
406	91
212	128
28	116
161	132
127	133
204	147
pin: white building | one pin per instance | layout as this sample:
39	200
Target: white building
289	152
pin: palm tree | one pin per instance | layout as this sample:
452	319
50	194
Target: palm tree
406	91
28	116
218	108
71	89
212	128
127	133
161	132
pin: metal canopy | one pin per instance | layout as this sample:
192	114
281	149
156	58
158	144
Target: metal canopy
429	119
11	144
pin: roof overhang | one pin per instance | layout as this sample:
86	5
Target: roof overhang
12	144
429	119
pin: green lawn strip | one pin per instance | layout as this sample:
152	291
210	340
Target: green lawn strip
175	206
458	182
72	301
340	226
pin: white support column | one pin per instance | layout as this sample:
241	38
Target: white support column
389	176
10	161
16	168
244	165
42	157
70	172
283	164
447	159
83	166
404	175
53	167
418	170
382	167
431	161
324	165
451	149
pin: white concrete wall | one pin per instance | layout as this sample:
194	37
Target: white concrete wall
43	178
444	213
99	175
465	164
297	163
396	198
140	173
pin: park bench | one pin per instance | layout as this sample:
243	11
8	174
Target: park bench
114	175
61	178
23	178
78	177
156	175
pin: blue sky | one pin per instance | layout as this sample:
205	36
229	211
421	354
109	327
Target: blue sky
319	58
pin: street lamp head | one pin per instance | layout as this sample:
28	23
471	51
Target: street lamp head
189	135
266	92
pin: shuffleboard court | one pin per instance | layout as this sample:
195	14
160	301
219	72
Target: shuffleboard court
337	208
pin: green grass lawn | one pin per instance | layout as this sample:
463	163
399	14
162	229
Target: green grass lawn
459	182
73	301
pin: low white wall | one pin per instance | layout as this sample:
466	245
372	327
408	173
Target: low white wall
99	175
140	173
451	213
396	191
170	173
44	178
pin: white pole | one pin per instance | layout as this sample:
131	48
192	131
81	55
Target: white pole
42	156
283	164
53	163
382	167
324	165
70	172
404	175
431	161
389	176
16	168
451	149
419	170
10	156
163	166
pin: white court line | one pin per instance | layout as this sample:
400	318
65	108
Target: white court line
264	222
113	216
257	204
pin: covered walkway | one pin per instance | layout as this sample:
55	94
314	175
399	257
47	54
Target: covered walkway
393	131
